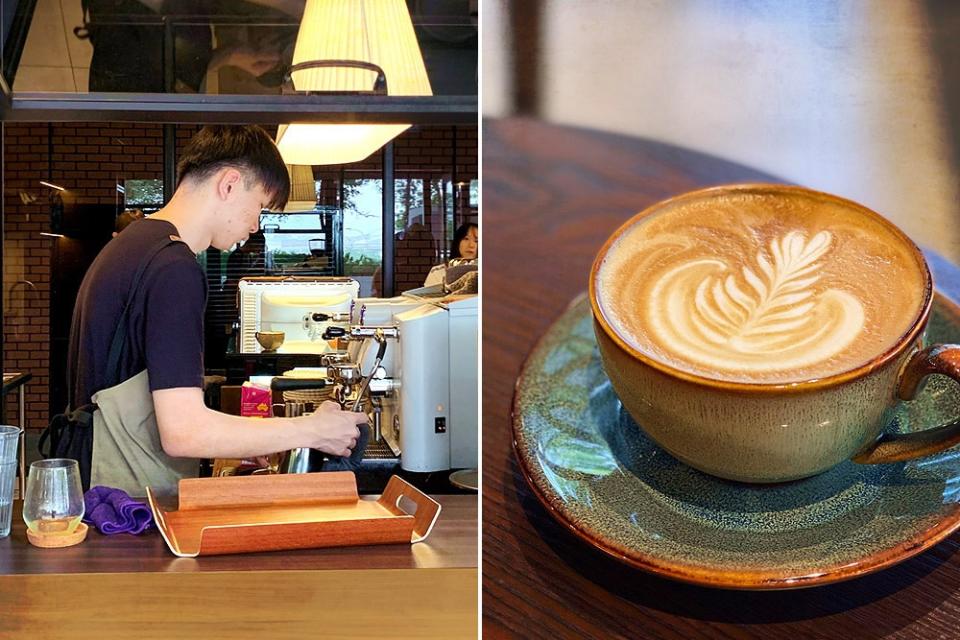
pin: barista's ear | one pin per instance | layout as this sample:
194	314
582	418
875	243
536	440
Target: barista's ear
228	180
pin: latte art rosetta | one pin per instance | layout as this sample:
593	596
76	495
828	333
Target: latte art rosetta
766	316
759	284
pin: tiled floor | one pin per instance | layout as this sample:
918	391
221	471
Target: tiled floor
53	58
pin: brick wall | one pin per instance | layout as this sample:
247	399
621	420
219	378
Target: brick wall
88	159
26	266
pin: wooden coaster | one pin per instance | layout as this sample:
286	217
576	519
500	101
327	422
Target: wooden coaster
58	540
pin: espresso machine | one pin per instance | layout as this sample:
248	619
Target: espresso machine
409	363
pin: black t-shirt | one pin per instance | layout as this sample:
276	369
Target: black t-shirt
165	322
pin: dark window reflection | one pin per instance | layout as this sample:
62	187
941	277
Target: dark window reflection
208	46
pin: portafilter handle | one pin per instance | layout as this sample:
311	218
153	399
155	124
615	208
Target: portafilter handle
332	332
330	317
359	332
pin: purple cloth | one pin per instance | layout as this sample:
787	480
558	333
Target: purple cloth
114	511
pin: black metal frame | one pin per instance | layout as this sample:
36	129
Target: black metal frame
220	109
367	107
387	260
3	190
6	96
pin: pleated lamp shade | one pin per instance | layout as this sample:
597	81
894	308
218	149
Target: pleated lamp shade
379	32
303	188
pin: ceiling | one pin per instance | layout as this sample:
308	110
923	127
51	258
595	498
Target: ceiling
225	47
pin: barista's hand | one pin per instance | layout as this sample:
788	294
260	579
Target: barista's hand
334	430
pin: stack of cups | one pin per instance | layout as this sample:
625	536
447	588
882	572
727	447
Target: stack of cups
9	445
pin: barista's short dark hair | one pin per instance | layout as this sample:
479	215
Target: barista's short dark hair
248	148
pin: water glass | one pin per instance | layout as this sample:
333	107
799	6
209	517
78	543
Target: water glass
9	446
54	500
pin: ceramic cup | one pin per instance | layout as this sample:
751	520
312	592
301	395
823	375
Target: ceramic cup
773	432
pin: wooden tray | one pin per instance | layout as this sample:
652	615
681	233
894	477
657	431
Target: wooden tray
299	511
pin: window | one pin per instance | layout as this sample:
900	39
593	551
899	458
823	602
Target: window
363	232
304	242
146	195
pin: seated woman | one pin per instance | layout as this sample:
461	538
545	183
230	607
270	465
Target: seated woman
465	245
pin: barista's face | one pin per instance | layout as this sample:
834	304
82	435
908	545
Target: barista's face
470	244
242	203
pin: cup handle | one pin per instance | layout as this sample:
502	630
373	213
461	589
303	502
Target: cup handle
896	447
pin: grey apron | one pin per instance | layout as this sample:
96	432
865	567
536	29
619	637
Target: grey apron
127	453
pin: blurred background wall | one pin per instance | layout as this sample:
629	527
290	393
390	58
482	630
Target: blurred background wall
856	97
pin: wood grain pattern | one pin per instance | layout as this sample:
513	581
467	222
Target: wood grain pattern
438	604
277	512
235	491
551	196
427	509
131	586
304	535
451	545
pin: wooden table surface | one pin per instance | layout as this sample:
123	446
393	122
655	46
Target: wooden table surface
452	544
551	196
123	585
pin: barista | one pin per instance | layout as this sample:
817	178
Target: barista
465	244
151	423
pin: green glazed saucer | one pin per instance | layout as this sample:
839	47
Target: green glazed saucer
600	476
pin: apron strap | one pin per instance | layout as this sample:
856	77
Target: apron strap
120	335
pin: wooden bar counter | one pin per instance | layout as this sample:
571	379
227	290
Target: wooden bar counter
133	586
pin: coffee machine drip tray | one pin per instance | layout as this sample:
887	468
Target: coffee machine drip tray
379	450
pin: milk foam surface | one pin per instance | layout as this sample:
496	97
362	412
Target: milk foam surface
757	287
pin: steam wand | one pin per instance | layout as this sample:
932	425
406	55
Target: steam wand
377	334
381	350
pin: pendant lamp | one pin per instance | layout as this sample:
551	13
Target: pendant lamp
303	188
354	47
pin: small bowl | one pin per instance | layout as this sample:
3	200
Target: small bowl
270	340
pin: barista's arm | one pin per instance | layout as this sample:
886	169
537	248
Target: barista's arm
176	294
189	429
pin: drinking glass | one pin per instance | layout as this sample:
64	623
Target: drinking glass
54	499
9	445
